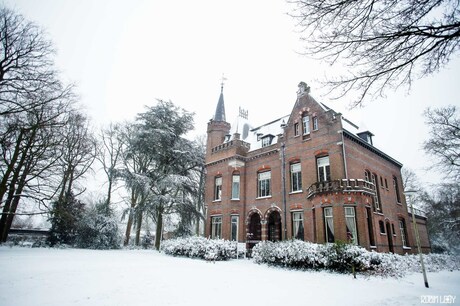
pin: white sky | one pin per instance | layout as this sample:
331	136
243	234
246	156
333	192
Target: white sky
124	54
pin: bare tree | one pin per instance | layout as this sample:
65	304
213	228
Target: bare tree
31	153
78	151
26	63
385	43
444	141
109	152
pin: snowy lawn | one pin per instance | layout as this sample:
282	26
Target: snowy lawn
136	277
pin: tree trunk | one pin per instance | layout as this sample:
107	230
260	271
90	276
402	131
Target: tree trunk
159	229
10	168
128	229
130	218
14	206
199	201
138	229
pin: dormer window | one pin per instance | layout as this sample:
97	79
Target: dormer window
267	140
366	136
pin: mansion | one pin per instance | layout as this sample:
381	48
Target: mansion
311	175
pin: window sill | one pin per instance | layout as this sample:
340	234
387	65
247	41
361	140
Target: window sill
399	203
407	248
373	247
383	234
217	201
378	213
235	199
296	192
262	198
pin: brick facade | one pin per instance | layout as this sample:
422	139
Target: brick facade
333	163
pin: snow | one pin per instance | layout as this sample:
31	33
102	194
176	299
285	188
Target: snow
144	277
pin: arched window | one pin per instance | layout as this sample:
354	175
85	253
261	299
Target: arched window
264	184
324	169
218	188
396	188
382	227
296	177
402	228
235	186
329	224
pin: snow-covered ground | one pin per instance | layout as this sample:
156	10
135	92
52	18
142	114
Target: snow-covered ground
137	277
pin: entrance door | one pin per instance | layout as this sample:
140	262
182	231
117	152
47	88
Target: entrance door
390	238
255	228
274	226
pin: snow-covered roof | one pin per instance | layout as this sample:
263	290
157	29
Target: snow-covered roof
254	136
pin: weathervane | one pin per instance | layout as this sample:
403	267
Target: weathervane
222	82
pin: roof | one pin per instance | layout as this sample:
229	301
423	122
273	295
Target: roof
220	109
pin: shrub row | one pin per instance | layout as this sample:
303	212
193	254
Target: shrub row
342	257
199	247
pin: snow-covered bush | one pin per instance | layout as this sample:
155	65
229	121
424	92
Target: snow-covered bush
200	247
341	257
98	229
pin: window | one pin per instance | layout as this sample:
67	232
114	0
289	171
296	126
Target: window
297	225
306	125
386	184
329	224
296	129
266	141
382	227
367	176
296	177
381	182
234	230
396	187
393	229
370	228
216	227
263	185
402	228
315	123
218	188
377	192
324	169
350	221
236	187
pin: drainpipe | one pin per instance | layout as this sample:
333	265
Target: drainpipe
344	156
283	175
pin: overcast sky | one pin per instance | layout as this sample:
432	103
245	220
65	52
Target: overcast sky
123	55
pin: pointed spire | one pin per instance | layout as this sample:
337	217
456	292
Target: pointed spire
220	109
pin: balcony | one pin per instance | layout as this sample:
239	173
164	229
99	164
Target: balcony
342	185
417	212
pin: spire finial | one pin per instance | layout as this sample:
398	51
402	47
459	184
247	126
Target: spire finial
222	83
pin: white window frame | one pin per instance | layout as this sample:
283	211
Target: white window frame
296	177
297	222
376	186
350	222
322	163
402	229
264	184
236	186
306	124
218	188
266	141
296	129
234	220
315	123
216	227
328	216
